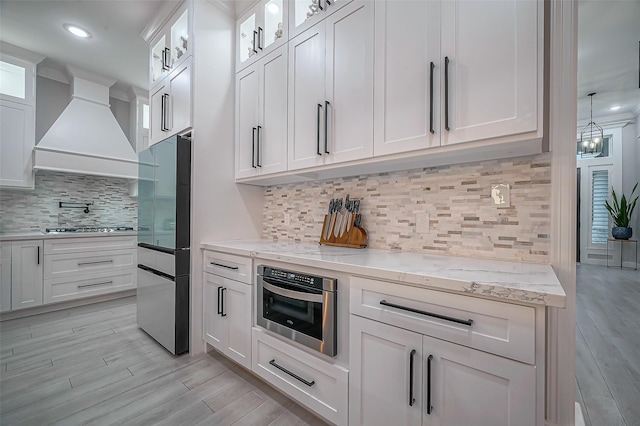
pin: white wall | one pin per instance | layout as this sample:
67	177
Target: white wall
121	110
221	209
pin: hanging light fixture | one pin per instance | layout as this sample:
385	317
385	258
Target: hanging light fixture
591	137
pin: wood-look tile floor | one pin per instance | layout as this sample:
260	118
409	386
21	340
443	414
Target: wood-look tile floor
608	345
92	365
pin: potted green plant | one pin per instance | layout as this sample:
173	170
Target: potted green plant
621	214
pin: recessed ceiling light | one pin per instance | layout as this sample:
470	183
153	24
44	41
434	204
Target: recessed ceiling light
615	108
273	8
77	31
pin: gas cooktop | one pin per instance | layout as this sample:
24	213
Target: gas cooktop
88	229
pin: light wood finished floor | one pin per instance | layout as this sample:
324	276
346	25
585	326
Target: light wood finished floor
608	345
92	365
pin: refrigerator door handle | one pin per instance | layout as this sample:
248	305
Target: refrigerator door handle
156	272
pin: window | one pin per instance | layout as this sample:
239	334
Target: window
599	214
12	80
145	116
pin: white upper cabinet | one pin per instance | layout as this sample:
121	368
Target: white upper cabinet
455	71
171	46
261	116
407	82
260	30
331	89
491	70
17	118
303	14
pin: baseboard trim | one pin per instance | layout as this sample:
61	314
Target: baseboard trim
52	307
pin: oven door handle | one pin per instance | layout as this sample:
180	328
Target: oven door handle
317	298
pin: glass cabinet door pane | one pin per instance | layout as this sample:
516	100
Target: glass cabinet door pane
305	9
247	28
180	38
156	59
146	185
164	228
273	21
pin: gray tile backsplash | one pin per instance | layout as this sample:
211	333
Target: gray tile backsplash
462	219
35	210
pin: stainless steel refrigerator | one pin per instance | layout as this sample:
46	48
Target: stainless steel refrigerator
164	201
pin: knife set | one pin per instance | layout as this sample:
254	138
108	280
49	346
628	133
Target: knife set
342	224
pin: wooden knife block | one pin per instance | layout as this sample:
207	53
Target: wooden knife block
353	238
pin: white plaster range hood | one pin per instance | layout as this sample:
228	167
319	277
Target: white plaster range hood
86	138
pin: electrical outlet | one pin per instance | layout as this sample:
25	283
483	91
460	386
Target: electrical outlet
287	219
422	223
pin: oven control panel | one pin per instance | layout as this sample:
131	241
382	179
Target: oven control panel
317	282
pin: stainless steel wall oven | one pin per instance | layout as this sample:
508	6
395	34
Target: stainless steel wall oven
298	306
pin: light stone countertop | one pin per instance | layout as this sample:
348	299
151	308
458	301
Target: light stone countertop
511	281
35	235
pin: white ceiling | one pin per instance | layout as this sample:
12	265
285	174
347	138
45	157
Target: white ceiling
608	37
608	55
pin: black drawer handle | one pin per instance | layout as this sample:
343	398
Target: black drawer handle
233	268
429	314
295	376
411	398
95	263
429	407
94	284
219	300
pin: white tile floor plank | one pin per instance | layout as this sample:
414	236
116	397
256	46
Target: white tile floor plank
92	365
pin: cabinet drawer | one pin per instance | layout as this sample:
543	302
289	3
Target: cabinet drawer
501	328
79	264
82	245
326	388
236	268
60	289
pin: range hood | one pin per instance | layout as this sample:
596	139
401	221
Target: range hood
86	138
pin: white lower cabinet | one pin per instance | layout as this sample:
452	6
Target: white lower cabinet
227	317
403	377
26	273
5	276
319	385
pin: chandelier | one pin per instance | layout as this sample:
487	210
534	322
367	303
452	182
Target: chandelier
591	137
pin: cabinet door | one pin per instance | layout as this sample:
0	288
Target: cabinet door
273	30
180	98
5	277
17	139
158	61
179	39
247	84
214	324
272	136
381	359
306	98
236	306
407	85
349	93
247	39
305	13
26	273
470	387
492	49
158	114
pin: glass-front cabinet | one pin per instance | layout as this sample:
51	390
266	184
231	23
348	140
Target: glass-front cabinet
171	46
260	30
305	13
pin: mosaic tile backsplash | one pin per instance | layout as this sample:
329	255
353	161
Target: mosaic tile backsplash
462	218
36	210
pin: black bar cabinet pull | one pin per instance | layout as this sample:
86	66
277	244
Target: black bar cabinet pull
318	135
166	54
326	126
411	398
258	162
431	67
429	314
233	268
260	38
446	93
38	255
429	407
163	102
328	2
255	33
295	376
223	313
219	297
320	5
253	147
